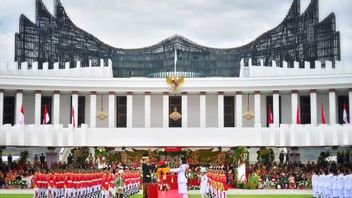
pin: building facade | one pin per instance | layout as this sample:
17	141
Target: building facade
253	95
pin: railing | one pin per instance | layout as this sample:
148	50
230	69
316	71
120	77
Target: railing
283	136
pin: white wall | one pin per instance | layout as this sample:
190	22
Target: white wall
263	119
87	110
323	98
28	107
65	107
285	108
212	110
138	111
193	111
156	111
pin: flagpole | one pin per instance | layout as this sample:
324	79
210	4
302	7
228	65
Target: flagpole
175	60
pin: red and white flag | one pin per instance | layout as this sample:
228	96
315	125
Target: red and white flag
73	117
298	117
323	121
270	116
46	118
22	119
344	113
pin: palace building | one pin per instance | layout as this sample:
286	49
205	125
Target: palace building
286	88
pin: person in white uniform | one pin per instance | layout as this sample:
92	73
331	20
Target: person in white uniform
204	188
340	183
348	184
335	184
181	177
315	185
320	184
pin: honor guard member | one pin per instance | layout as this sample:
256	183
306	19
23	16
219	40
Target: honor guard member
204	188
315	185
181	177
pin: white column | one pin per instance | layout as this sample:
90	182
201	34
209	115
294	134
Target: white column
294	105
56	109
350	105
37	107
184	110
129	110
147	107
1	107
276	109
257	110
165	110
220	109
93	109
19	101
313	107
332	106
75	106
238	109
112	110
202	108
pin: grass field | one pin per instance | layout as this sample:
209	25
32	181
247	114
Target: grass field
191	196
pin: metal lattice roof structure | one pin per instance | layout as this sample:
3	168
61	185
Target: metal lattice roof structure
299	37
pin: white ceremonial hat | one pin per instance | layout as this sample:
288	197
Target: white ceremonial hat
203	170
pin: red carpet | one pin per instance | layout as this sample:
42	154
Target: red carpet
170	194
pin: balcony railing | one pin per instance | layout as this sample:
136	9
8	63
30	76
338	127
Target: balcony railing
283	136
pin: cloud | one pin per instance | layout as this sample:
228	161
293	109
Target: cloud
140	23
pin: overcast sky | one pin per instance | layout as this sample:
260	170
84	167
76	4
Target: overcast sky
139	23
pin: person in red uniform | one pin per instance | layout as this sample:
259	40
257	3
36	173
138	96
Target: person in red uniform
44	185
36	184
110	179
104	186
69	184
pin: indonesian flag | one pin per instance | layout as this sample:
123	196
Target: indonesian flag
22	120
73	117
46	118
270	115
323	121
344	113
298	117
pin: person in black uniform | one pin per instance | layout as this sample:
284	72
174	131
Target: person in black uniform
146	175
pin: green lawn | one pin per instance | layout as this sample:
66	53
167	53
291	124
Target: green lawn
191	196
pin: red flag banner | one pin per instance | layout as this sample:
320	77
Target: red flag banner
22	118
73	117
46	115
298	117
270	120
323	121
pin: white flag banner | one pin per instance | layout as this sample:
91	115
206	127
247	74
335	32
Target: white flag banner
344	114
22	119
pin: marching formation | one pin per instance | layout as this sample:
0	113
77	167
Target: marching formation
331	184
81	183
217	183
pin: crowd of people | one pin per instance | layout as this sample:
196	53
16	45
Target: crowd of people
69	179
332	183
